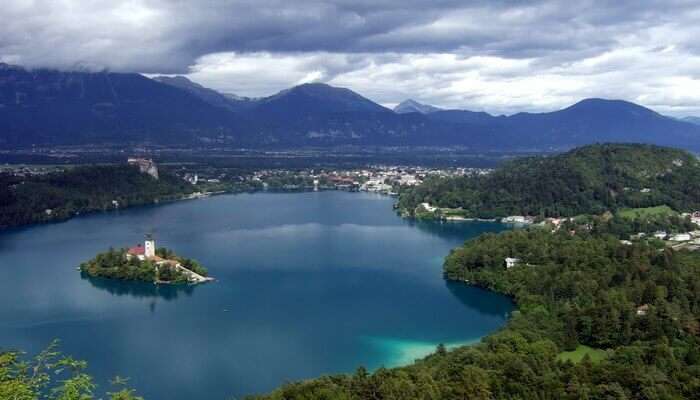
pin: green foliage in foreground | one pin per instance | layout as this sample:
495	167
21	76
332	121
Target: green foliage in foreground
587	180
114	264
571	290
24	200
51	376
581	352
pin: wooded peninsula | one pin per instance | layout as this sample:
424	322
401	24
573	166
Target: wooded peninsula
77	190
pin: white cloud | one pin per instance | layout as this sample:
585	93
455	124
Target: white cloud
502	57
493	84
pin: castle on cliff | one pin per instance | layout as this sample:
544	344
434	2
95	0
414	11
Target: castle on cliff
146	166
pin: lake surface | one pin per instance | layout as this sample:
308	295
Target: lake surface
307	284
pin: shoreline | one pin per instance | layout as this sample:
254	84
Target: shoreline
163	201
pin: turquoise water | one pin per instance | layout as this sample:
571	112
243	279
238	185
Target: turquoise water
307	284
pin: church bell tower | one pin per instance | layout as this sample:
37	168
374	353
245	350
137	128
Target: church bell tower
149	246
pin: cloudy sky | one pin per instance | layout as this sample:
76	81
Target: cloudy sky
497	56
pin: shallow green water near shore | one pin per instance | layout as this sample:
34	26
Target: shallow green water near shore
307	284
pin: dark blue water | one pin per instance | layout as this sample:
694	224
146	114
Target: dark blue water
307	284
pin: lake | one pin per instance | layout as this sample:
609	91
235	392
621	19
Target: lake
307	284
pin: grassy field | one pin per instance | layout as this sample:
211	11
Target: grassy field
577	355
453	212
634	213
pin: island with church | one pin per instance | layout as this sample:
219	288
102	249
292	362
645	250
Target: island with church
145	262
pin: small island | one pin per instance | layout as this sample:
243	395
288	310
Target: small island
146	263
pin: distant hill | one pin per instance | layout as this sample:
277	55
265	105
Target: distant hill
599	120
692	120
588	121
317	98
228	101
409	106
466	117
48	107
320	114
587	180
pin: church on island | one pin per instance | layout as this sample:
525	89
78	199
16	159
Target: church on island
147	251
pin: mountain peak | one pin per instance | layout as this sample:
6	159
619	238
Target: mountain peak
692	120
595	103
177	80
228	101
322	97
410	105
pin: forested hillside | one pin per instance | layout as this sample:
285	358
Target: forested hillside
61	195
587	180
626	315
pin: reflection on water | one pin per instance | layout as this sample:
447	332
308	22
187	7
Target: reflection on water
307	284
456	229
139	289
484	302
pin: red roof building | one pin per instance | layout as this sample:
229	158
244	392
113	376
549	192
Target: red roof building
139	250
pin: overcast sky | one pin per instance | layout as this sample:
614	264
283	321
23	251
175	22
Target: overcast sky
496	56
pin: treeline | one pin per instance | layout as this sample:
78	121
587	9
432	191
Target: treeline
571	290
588	180
61	195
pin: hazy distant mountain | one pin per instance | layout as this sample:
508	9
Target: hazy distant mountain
236	97
319	114
45	107
599	120
692	120
55	107
314	98
464	117
228	101
409	106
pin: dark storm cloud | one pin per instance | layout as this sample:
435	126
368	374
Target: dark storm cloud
160	35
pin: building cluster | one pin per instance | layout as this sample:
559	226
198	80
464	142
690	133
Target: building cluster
24	171
378	179
679	240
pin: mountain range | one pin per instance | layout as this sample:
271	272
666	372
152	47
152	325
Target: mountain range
49	107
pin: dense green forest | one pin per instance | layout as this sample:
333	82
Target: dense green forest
587	180
631	312
115	264
61	195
